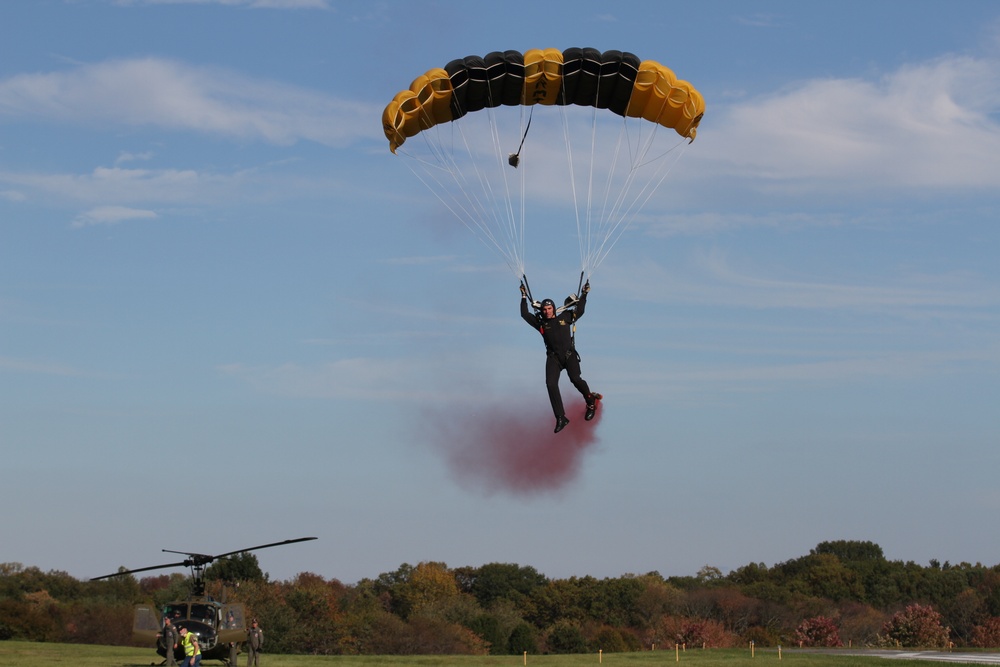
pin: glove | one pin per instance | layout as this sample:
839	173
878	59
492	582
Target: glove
586	287
524	292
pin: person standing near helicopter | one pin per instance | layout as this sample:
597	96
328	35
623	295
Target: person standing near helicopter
560	351
170	637
255	643
192	652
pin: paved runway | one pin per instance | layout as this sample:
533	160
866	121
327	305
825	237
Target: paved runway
939	656
945	656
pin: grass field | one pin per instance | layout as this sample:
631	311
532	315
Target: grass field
30	654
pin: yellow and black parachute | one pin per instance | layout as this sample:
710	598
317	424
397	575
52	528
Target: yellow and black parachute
468	166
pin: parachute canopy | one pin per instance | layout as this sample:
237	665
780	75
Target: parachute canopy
613	80
465	125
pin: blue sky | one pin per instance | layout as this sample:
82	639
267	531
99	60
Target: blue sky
229	316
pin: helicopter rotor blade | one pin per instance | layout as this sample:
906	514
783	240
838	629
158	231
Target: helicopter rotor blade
265	546
141	569
200	559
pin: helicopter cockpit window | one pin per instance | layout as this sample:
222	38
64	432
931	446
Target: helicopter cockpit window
175	611
234	617
204	613
145	620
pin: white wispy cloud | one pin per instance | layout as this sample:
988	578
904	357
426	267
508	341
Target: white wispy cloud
415	379
176	96
106	183
630	377
136	187
712	279
112	215
927	292
929	125
126	156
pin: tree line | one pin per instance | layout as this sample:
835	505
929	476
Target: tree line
842	593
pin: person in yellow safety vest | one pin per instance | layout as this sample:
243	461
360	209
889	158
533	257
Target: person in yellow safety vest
192	652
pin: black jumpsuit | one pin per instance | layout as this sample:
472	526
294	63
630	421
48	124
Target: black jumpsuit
560	350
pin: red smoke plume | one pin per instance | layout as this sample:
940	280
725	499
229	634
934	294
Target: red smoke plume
512	449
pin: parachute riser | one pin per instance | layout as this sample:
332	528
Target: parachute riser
527	288
570	301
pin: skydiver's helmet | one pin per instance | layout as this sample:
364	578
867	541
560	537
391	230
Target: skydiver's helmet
547	302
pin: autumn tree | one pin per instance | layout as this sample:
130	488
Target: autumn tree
963	612
818	631
410	587
614	601
566	637
313	607
860	624
558	600
694	632
851	551
825	575
611	639
726	604
987	633
496	625
523	638
656	599
989	590
917	625
503	581
427	584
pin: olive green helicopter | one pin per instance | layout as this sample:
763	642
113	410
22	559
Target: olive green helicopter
220	626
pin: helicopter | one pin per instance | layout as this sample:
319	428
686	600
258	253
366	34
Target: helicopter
219	626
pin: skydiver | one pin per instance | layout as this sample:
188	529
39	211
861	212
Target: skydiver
560	351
